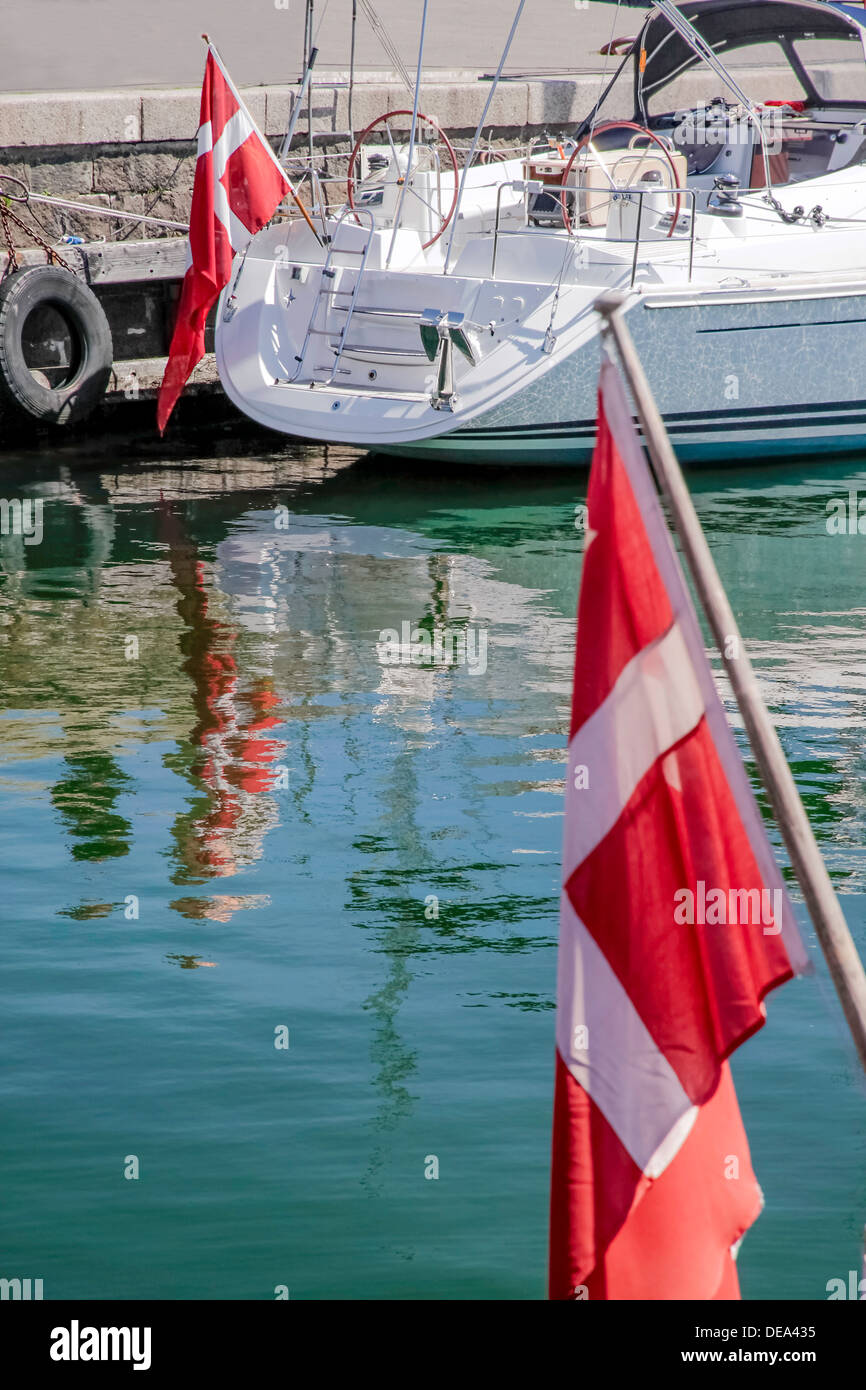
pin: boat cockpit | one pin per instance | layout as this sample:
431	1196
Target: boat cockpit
728	97
812	122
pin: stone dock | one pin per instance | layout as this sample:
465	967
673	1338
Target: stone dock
135	151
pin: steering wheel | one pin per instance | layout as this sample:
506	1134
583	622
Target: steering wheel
383	120
599	130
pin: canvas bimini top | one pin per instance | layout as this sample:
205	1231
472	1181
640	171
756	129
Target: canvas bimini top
727	27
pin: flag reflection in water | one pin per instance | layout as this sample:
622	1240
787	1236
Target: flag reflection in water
232	759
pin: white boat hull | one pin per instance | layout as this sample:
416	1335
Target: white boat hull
749	354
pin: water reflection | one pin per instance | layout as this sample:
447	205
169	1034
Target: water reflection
382	840
190	962
228	758
273	631
86	797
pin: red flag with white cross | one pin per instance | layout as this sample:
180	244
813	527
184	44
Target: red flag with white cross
674	922
238	186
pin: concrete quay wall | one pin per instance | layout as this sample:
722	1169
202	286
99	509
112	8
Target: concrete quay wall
135	150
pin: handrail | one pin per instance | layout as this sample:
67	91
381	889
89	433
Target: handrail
344	331
642	193
525	186
532	185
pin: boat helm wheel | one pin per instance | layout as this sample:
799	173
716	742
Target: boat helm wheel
600	130
351	179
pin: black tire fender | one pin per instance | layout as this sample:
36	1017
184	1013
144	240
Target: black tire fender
93	353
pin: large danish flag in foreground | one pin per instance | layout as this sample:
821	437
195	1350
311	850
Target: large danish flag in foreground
652	1185
238	185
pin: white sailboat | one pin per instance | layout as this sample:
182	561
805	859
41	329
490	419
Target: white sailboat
448	311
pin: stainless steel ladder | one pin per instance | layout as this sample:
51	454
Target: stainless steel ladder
327	293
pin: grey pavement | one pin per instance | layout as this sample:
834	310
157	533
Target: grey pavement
83	45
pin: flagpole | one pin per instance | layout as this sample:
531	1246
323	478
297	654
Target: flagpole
845	966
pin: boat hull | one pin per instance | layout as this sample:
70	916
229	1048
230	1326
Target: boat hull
741	370
736	379
707	439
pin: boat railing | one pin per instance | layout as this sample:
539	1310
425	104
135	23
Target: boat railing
681	193
326	207
524	186
307	164
530	186
491	154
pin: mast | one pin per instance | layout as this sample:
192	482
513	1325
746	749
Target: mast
479	128
411	135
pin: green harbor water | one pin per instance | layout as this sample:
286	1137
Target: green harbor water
228	822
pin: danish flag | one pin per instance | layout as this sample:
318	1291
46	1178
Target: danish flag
238	185
652	1184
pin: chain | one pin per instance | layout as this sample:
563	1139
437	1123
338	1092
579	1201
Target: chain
12	263
7	216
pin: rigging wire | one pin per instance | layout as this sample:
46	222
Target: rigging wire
603	79
308	48
320	23
389	46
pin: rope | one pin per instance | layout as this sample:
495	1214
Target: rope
136	218
158	196
106	212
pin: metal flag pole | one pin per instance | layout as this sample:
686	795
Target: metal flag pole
845	966
411	135
478	129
